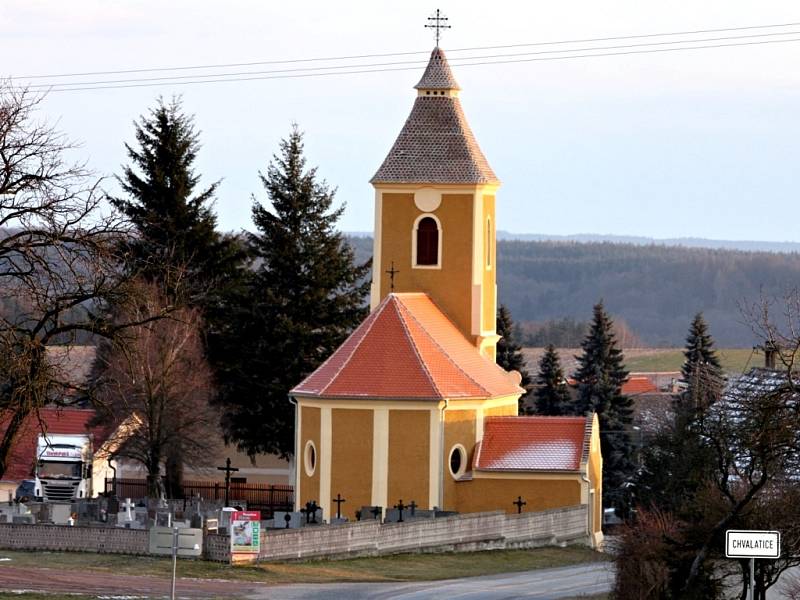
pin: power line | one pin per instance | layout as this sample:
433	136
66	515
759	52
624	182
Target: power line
409	53
357	72
374	66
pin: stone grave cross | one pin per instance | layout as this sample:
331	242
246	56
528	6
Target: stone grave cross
128	506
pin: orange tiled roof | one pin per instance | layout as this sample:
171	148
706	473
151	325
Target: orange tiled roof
638	385
533	444
407	349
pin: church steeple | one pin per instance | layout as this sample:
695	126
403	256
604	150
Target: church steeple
434	210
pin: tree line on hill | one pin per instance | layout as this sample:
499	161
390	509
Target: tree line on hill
653	290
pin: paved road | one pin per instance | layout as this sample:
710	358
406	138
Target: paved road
545	584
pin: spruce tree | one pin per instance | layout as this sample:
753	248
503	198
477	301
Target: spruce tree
600	377
701	370
552	395
678	460
175	245
509	354
305	296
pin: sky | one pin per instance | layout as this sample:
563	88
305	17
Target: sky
701	143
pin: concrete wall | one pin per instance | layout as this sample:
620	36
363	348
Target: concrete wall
479	531
461	533
73	539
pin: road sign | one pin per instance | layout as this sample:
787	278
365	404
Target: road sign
188	542
752	544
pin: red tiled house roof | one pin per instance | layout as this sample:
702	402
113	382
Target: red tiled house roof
54	420
534	443
407	349
638	385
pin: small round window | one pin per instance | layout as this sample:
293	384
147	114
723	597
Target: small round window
458	461
310	458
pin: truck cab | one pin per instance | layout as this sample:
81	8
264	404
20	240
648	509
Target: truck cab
63	467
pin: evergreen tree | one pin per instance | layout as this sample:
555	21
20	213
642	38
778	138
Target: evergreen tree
552	396
678	461
701	370
304	298
176	242
176	245
600	377
509	354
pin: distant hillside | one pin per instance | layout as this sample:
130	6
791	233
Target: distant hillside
745	245
655	289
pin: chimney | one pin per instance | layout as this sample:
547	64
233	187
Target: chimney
770	353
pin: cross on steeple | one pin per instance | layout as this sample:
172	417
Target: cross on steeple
436	24
392	272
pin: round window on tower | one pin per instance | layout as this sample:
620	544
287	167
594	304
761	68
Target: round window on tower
458	461
310	458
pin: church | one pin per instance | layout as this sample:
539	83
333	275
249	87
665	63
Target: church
412	406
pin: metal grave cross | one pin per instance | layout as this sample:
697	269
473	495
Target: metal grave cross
128	506
435	23
400	508
519	503
338	500
228	470
413	506
392	272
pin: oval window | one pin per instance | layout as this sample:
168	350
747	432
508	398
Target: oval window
310	458
458	461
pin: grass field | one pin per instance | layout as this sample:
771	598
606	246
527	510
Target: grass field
401	567
734	360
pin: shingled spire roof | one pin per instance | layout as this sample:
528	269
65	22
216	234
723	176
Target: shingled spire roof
438	75
436	144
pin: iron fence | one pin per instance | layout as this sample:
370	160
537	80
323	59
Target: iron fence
258	496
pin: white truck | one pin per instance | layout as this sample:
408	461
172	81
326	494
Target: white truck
63	467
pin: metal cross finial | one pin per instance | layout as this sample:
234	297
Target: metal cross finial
392	272
436	24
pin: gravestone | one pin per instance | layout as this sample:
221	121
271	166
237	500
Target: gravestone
393	515
163	519
371	512
225	518
444	513
421	514
60	513
23	520
339	521
313	518
295	520
113	505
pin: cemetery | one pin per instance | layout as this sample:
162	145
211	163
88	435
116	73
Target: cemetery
194	528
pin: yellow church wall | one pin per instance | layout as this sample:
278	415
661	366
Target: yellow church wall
309	430
351	458
507	410
596	478
450	285
482	494
409	464
489	266
459	428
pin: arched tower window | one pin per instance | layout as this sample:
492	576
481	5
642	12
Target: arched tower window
427	243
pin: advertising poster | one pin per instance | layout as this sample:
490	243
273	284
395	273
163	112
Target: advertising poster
245	535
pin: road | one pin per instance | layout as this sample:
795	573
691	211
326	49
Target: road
544	584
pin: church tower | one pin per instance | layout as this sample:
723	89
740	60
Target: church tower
435	212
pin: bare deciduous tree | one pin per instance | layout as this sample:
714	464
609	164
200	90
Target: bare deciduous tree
156	384
59	268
